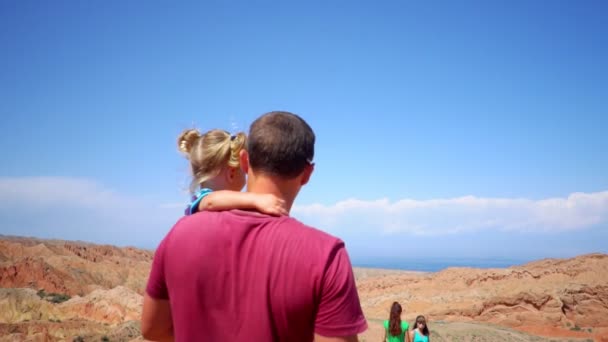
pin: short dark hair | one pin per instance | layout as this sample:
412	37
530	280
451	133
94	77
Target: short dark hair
280	144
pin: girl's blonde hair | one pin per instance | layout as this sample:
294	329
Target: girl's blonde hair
210	152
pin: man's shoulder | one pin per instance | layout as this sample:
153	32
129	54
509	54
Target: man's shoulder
189	224
288	227
308	231
207	217
251	217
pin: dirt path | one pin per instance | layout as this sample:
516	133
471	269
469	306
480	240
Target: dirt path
470	332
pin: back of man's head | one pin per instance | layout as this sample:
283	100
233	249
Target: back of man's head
280	144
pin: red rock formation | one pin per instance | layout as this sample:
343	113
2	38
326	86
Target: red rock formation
106	283
71	268
34	273
553	293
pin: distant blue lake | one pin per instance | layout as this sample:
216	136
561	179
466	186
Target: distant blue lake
438	264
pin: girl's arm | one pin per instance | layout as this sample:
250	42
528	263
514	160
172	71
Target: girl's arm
384	338
226	200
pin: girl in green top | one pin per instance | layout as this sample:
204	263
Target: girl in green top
394	329
420	331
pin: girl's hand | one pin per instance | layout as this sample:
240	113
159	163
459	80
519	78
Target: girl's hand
270	204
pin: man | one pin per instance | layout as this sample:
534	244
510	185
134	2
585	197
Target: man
243	276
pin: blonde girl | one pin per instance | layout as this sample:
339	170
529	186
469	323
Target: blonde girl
217	178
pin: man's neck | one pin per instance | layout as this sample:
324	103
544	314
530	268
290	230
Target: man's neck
287	190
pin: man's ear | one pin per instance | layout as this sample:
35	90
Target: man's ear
306	174
244	161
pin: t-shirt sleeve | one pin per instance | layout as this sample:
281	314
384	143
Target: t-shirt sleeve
339	312
193	208
157	285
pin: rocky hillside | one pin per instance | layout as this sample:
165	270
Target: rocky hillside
58	290
549	295
71	268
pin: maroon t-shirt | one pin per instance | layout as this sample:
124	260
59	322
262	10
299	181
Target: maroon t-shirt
245	276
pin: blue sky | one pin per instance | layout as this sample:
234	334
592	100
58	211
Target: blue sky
444	129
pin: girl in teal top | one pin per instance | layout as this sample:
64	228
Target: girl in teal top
394	328
420	331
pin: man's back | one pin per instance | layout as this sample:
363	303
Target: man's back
243	275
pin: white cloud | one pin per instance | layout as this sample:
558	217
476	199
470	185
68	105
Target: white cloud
72	208
462	214
58	191
75	208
